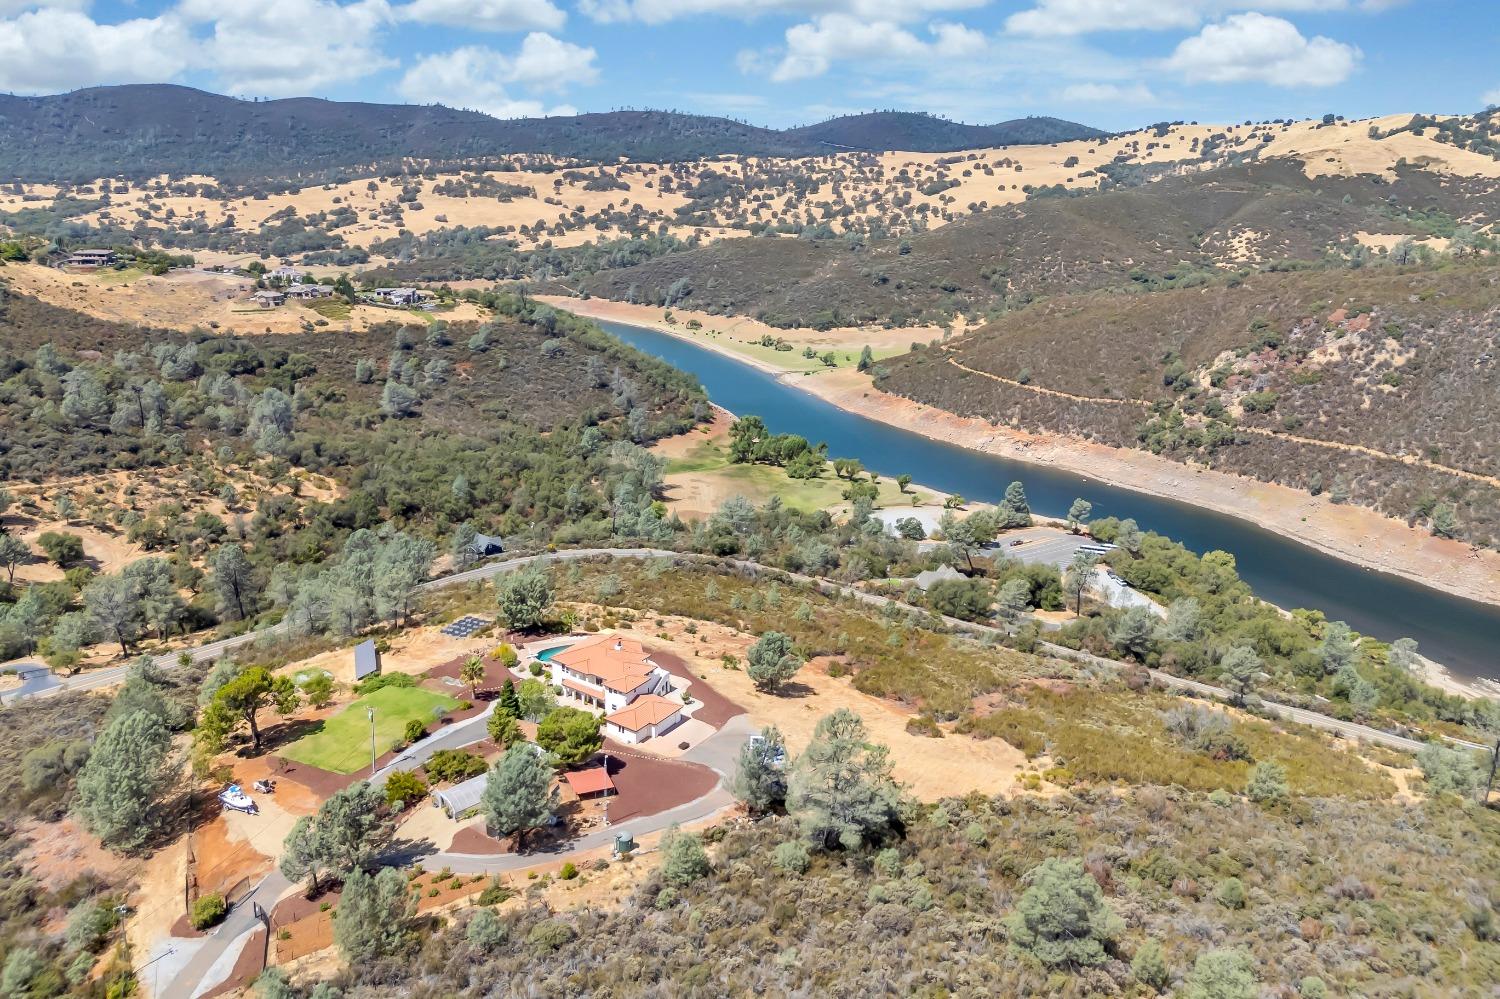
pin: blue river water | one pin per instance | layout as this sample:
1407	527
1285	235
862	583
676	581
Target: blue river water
1463	635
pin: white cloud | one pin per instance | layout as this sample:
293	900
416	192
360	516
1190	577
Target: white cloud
1078	17
286	47
10	8
1492	98
480	78
659	11
486	15
1257	48
44	51
1107	93
813	47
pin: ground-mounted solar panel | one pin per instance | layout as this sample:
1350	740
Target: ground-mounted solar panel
366	660
465	627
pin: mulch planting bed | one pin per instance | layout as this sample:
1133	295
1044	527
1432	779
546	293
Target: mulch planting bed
649	784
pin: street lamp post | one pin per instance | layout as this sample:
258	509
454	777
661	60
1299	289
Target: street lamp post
370	711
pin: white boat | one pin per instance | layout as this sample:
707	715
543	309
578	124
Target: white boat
233	797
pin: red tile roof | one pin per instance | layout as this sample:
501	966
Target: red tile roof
648	709
621	664
590	781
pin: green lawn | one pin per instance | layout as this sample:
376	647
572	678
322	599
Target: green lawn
343	744
709	461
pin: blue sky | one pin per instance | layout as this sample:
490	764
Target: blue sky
1116	64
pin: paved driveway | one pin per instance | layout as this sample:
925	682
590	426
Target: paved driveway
35	678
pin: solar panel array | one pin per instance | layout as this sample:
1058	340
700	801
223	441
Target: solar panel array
465	626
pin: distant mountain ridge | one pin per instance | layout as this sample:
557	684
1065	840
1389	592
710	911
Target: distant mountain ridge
146	129
911	131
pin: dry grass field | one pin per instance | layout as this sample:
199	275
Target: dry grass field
562	205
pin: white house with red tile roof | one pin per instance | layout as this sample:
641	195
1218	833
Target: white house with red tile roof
615	675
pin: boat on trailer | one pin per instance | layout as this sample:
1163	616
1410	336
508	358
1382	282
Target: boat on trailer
233	797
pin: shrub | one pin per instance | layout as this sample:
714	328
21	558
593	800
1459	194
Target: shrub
380	681
495	893
1231	893
1149	966
1267	784
486	931
666	898
404	787
550	934
683	858
1221	974
1449	771
791	857
453	765
569	871
208	911
414	731
924	725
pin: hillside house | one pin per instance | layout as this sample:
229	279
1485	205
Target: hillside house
268	298
91	259
308	292
288	275
617	676
401	296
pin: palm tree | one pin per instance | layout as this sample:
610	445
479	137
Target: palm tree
472	673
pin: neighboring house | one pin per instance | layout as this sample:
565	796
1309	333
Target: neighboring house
617	676
486	545
290	275
268	299
401	296
91	258
307	292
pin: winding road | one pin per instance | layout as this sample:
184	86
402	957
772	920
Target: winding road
199	969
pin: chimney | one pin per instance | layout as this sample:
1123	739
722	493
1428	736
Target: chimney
619	645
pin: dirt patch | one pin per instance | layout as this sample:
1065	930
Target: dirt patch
102	552
223	861
57	853
929	768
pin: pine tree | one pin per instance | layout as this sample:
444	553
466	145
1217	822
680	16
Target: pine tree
374	916
1062	919
509	704
128	774
234	581
772	661
518	794
758	780
524	598
841	792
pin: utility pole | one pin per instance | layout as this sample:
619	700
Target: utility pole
370	710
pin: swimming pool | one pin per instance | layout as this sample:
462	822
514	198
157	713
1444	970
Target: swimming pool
547	654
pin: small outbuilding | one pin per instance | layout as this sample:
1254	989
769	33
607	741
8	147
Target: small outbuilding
592	782
460	798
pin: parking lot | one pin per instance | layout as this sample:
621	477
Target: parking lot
1042	546
1050	546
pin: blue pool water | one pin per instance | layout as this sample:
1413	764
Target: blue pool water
546	654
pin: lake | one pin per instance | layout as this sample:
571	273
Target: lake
1461	634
